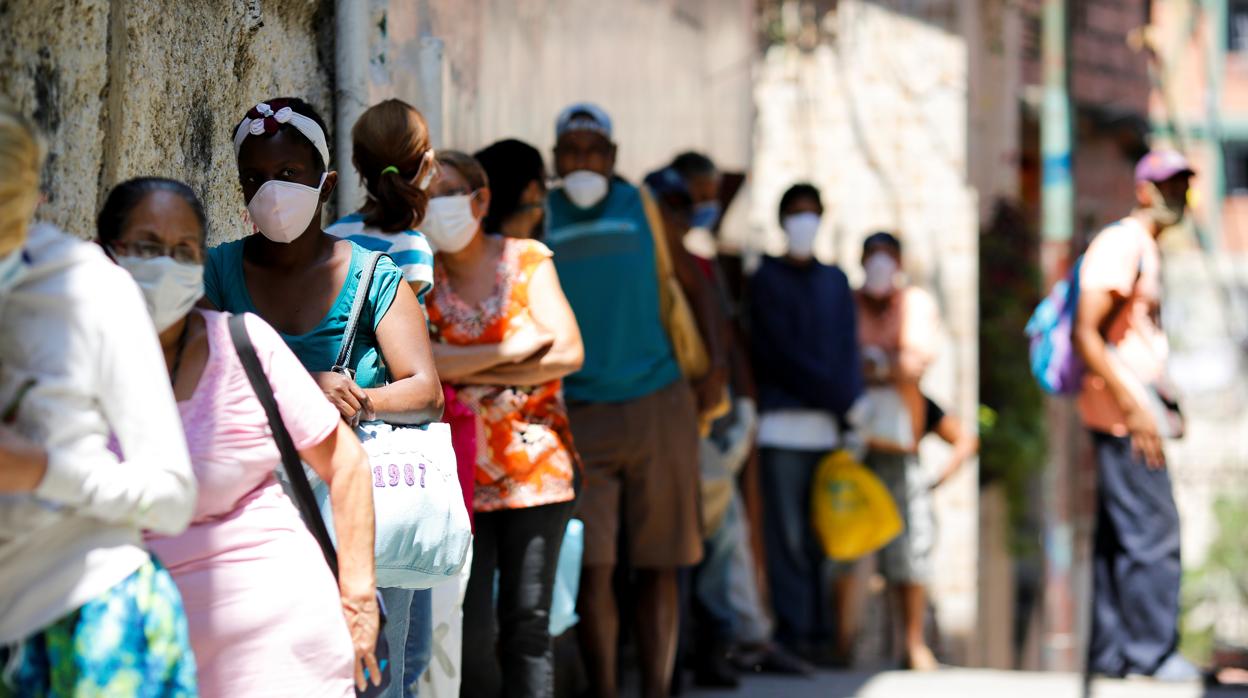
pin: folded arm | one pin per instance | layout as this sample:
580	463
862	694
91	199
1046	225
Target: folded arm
549	308
152	485
414	394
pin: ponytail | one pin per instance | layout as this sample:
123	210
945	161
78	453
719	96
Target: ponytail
395	161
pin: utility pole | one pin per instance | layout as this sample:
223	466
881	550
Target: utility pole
1060	636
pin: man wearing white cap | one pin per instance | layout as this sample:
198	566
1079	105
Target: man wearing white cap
632	413
1126	405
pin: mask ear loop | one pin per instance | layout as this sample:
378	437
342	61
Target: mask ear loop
426	166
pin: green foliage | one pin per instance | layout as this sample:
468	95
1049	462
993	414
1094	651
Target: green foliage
1220	585
1012	422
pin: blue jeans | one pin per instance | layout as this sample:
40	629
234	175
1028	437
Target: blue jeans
795	558
409	625
712	579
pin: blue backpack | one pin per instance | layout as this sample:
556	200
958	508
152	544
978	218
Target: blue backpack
1055	364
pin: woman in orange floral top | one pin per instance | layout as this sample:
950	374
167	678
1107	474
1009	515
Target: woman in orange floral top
504	337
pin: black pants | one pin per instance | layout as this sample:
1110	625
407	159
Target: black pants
1135	558
795	557
523	546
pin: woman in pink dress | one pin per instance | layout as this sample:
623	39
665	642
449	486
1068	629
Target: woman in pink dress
264	615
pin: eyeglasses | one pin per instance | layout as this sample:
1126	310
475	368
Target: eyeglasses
146	249
457	192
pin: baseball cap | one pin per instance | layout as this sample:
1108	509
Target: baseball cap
1160	165
583	116
668	183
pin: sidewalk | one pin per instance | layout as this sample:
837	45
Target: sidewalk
955	683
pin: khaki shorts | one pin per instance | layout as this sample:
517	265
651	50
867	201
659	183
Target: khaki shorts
641	471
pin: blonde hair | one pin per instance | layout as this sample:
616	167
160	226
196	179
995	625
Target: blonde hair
21	163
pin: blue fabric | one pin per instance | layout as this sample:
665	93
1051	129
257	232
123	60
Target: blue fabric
605	259
1136	565
804	336
1055	363
408	249
225	288
712	579
567	579
419	649
409	632
795	560
132	640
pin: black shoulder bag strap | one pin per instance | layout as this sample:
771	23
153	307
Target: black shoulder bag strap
300	488
305	501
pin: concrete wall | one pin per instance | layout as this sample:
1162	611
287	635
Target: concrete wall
883	133
142	87
673	74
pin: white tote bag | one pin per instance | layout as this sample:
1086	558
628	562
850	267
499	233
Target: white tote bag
423	533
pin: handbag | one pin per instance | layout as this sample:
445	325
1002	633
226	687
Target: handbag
299	487
851	509
678	317
567	579
423	531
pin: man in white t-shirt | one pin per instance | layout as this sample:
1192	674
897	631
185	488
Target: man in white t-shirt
1136	566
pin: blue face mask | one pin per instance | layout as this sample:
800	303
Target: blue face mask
11	267
705	215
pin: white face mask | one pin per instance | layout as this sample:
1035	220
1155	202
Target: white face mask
449	223
11	268
170	288
585	188
801	229
283	210
881	271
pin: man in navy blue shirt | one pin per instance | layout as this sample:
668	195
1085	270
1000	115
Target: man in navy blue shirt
804	338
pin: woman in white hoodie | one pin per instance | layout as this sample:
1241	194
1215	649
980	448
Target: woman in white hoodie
84	609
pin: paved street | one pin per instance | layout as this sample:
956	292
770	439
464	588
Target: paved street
956	683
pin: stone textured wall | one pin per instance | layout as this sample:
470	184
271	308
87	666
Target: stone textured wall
124	88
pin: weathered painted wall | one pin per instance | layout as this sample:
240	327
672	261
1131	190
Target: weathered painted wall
142	87
673	74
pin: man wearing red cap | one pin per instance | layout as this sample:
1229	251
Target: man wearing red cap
1126	405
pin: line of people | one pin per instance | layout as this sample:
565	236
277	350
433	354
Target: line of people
584	342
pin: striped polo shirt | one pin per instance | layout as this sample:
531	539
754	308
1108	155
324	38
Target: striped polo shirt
408	248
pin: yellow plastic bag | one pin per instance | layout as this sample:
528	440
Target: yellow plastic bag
851	509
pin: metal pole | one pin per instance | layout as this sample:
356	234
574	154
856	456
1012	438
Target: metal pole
350	93
1057	194
1057	227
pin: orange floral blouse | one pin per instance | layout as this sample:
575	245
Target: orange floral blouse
524	445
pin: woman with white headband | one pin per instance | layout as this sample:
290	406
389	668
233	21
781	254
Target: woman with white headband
303	281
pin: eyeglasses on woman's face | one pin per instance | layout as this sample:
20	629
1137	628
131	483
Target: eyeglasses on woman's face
184	253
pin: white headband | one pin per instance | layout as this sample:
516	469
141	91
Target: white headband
285	115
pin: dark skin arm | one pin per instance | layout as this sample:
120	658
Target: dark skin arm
965	446
414	395
708	389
